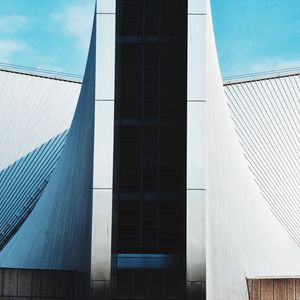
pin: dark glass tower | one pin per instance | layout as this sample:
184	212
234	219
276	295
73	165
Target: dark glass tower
149	191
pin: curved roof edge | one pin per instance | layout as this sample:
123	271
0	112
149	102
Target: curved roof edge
228	80
42	73
22	184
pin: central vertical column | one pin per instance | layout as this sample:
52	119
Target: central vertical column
196	156
103	149
149	220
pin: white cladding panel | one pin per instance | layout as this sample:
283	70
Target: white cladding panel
196	150
195	235
197	6
101	235
266	114
105	56
196	57
103	150
104	141
106	7
196	145
244	239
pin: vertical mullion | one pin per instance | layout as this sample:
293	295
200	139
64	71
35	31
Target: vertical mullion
158	131
132	283
142	128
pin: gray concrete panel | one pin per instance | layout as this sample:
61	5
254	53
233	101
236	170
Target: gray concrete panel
24	282
48	284
196	290
100	290
196	235
10	282
101	237
21	284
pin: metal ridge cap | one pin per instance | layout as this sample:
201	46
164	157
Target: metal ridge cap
228	80
42	73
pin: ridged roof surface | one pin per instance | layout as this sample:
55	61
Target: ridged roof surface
22	184
33	109
266	114
35	113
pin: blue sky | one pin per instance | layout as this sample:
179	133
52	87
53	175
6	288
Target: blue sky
257	35
251	35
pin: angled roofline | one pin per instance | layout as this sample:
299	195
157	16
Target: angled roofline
229	80
41	73
75	78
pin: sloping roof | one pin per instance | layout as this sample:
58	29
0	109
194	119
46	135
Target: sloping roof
36	110
22	184
266	113
265	109
57	234
33	109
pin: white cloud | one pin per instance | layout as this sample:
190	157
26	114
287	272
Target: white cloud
12	23
9	47
273	64
50	67
269	64
76	21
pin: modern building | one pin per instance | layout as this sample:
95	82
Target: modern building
158	186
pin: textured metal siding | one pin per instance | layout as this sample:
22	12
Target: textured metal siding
57	234
22	184
32	111
266	114
243	237
35	113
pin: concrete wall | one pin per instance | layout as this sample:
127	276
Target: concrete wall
26	284
274	289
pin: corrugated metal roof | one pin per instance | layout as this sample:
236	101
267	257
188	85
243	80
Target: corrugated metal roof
261	76
30	71
266	114
265	109
36	109
22	184
32	110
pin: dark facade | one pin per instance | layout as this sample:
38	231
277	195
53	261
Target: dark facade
149	202
26	284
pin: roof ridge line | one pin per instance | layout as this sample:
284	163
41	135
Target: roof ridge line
228	80
42	73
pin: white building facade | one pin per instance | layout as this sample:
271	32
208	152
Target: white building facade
151	196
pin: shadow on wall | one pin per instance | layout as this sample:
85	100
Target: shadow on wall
36	284
22	184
